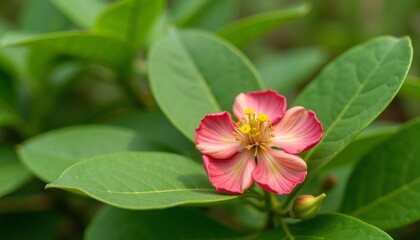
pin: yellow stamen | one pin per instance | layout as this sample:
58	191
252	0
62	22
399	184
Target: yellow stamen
254	131
249	111
245	129
262	117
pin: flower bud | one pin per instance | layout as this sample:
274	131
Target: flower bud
306	206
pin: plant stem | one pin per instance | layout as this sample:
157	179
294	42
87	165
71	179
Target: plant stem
272	221
286	230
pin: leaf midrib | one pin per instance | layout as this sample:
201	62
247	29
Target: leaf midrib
347	106
210	190
151	192
200	76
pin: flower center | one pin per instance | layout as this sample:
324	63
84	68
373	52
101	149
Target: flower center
254	131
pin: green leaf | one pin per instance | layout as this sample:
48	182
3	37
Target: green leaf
141	180
40	16
209	15
360	146
328	227
12	174
82	12
130	20
384	189
194	73
156	126
49	154
184	10
286	70
95	46
334	177
243	31
113	223
352	91
216	15
411	88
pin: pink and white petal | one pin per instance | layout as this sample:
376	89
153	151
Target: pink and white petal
233	174
268	102
298	130
214	136
278	171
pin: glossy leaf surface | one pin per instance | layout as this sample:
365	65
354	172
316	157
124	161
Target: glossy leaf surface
384	189
361	145
156	126
141	180
328	227
352	91
194	73
49	154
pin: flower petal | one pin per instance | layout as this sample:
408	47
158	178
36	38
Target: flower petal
214	136
298	130
232	174
268	102
278	171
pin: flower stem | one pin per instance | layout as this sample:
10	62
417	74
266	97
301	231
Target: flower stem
286	230
272	218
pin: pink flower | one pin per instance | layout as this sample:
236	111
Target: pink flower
261	147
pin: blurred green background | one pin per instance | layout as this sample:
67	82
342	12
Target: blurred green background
50	90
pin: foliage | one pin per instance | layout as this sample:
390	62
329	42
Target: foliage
99	101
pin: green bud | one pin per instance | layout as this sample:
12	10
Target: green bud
306	206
